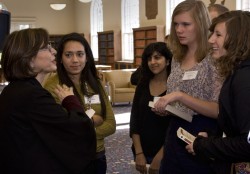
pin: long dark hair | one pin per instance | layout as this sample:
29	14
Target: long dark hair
88	74
159	47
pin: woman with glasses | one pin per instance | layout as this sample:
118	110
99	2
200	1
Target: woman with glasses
37	135
76	68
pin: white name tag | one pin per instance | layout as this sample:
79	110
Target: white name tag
189	75
94	99
90	112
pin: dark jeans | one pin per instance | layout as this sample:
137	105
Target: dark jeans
101	163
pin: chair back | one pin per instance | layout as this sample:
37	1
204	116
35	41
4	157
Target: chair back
120	78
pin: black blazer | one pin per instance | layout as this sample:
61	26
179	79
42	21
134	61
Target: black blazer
233	119
38	136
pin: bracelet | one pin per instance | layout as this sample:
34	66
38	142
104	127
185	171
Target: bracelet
139	153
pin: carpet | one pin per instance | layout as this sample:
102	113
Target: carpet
118	145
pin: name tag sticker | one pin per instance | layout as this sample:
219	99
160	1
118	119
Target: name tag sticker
94	99
189	75
90	112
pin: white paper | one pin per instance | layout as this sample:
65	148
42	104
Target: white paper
185	136
175	112
133	163
90	112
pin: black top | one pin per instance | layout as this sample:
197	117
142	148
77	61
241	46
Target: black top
151	127
234	120
136	76
38	136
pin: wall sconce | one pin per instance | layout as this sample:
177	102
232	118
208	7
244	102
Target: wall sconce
85	1
3	7
57	6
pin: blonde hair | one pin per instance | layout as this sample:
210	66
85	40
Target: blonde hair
201	17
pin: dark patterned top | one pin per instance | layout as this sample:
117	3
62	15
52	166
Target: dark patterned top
205	86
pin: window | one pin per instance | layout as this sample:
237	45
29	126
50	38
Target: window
22	23
96	19
243	5
130	19
171	4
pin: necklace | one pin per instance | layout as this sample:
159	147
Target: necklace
88	96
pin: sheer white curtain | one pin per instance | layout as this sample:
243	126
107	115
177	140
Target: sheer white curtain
243	5
130	19
96	24
170	5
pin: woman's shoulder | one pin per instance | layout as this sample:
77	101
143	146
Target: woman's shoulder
174	61
101	84
50	81
208	59
175	64
143	85
26	90
241	73
208	63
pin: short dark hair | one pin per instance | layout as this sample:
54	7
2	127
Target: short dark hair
159	47
218	7
19	49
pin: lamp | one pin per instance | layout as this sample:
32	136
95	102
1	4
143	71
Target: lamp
57	6
3	7
85	1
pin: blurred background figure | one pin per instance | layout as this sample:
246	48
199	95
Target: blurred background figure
216	9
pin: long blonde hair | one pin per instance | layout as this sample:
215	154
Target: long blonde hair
201	17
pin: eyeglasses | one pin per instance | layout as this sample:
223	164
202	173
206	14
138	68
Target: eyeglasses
48	47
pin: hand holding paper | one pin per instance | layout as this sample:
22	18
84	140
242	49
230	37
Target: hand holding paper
175	112
185	136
